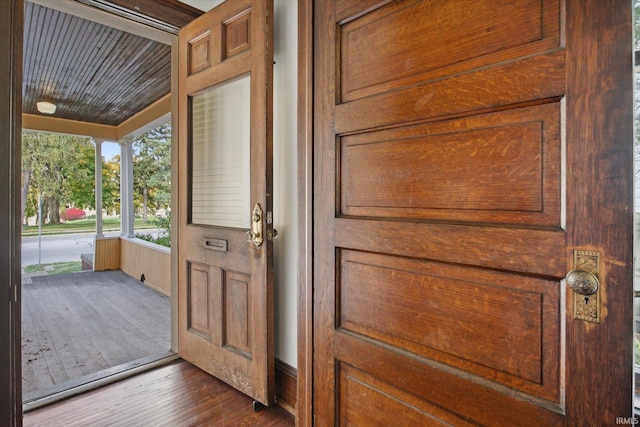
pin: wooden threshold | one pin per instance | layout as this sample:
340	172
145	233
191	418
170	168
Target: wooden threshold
175	394
76	386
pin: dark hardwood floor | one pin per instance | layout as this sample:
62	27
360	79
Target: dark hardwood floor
74	325
174	395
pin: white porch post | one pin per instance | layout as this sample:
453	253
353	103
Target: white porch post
126	188
98	178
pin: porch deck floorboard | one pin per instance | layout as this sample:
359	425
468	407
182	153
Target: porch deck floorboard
80	323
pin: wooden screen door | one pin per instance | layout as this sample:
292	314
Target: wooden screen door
225	291
468	155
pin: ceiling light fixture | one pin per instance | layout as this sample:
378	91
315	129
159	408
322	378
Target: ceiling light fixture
46	107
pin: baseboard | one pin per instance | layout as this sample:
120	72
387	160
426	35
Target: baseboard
286	386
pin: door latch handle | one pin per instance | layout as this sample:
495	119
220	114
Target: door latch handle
255	234
583	282
272	234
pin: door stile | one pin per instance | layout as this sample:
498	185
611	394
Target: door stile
324	375
600	206
262	187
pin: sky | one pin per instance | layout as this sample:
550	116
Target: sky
110	149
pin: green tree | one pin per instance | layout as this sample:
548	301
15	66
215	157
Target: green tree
51	165
81	183
111	185
152	169
29	144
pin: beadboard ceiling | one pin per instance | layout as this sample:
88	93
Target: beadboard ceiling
92	72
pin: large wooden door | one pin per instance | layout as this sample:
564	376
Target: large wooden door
468	155
225	288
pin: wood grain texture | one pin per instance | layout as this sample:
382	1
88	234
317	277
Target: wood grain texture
394	199
200	53
236	34
599	191
138	257
477	36
106	254
521	250
175	395
537	78
305	214
237	316
173	12
347	10
503	175
370	401
324	210
81	323
485	322
199	297
500	167
286	386
437	388
253	375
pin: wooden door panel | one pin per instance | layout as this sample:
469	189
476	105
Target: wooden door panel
203	248
210	44
225	283
519	250
200	57
373	59
218	315
435	388
441	213
498	167
236	35
486	323
236	326
369	401
199	292
540	77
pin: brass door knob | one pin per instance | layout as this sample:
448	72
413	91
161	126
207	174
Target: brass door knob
582	282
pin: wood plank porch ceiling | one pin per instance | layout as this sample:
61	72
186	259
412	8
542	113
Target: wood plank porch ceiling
92	72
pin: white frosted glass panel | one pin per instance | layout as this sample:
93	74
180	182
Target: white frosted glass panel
220	144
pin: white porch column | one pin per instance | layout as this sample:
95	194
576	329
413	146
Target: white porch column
98	178
126	188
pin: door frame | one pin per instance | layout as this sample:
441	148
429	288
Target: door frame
304	398
580	90
10	404
11	27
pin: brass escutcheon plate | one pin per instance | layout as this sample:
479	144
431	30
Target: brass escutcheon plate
587	307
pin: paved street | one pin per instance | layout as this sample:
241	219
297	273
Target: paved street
61	247
56	248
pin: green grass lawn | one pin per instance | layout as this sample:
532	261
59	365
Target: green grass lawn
55	268
84	226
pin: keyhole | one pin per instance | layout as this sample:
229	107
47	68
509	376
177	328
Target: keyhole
586	300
